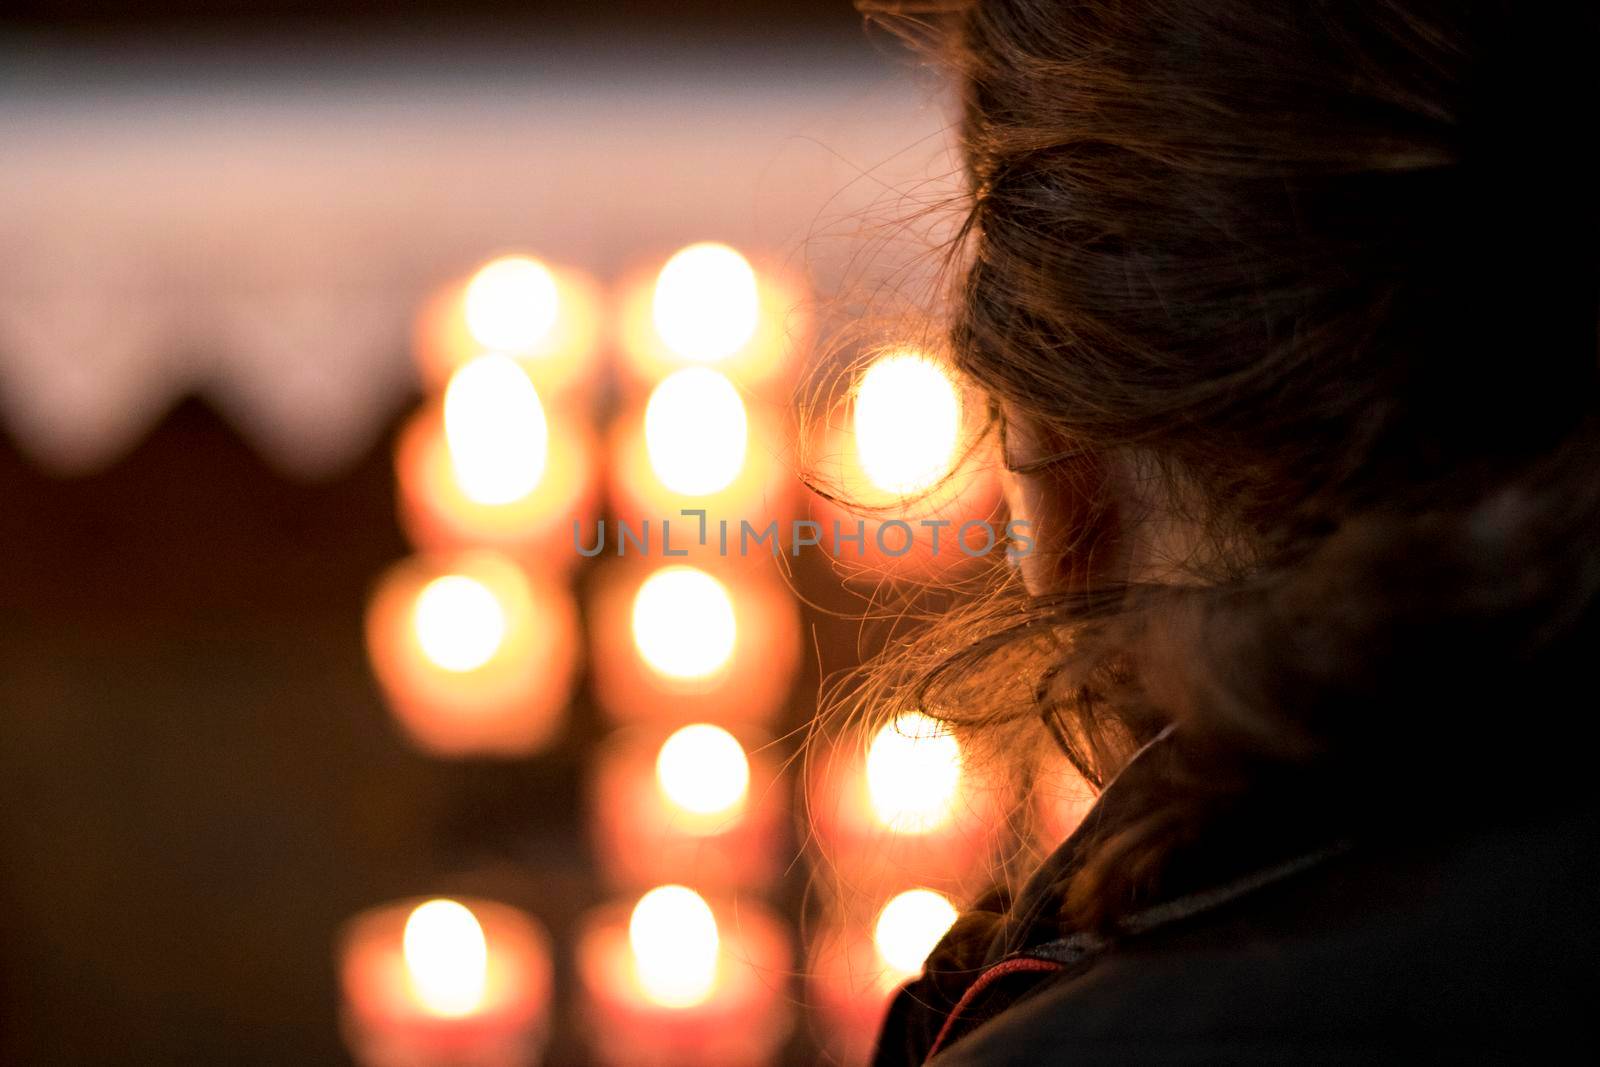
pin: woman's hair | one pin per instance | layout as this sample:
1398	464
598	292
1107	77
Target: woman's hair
1330	273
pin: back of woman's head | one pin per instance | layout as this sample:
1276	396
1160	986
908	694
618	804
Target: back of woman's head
1333	271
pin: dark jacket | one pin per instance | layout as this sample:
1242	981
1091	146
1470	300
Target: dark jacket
1458	939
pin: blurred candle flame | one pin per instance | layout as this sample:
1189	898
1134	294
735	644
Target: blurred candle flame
707	304
512	304
675	943
447	957
459	623
683	623
696	431
913	773
496	430
703	769
907	422
909	926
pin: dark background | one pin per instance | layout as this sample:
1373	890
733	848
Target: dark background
198	780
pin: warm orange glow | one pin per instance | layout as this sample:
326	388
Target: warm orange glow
712	306
676	947
444	981
658	982
689	466
545	317
690	643
447	958
475	469
683	623
913	773
696	431
663	806
474	654
907	423
512	304
906	808
909	926
707	304
459	622
495	429
703	769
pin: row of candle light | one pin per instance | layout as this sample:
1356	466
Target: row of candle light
681	977
693	971
475	642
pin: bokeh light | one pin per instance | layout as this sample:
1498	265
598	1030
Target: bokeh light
907	422
696	431
675	943
913	773
707	303
703	769
909	926
459	623
447	957
512	304
495	427
683	623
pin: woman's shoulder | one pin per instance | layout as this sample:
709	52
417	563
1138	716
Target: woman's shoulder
1476	941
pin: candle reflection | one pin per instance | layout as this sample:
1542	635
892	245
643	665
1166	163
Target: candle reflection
908	927
904	471
677	980
706	304
459	623
913	773
474	654
903	809
858	962
703	769
478	467
444	983
907	423
689	645
495	428
511	304
447	958
546	318
695	801
684	624
675	946
696	432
